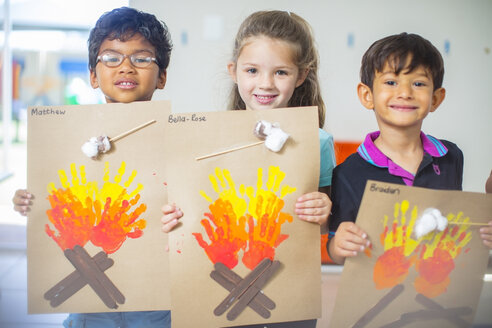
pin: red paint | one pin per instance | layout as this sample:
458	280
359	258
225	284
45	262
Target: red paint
462	236
115	224
395	225
224	246
434	273
384	234
391	268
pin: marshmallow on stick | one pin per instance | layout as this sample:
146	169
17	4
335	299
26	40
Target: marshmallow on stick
433	220
272	135
102	144
430	220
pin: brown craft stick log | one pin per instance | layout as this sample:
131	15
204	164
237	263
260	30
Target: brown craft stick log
236	279
100	276
252	291
124	134
90	276
430	304
242	286
74	285
380	306
70	279
436	314
229	150
229	285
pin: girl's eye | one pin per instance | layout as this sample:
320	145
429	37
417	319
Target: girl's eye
281	72
251	70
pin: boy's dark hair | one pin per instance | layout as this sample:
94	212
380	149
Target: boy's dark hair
122	24
395	50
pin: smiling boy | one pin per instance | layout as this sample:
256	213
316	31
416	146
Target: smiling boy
129	53
401	82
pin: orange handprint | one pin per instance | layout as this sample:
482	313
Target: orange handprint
72	219
436	260
264	238
230	212
227	238
392	266
114	224
77	214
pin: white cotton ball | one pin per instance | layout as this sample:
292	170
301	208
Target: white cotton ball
442	223
276	139
90	148
430	220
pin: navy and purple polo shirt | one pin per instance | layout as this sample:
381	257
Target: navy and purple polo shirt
441	168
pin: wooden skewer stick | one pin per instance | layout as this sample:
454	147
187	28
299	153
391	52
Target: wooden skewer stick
124	134
229	150
469	223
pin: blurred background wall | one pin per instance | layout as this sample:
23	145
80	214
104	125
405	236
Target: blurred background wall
49	54
203	34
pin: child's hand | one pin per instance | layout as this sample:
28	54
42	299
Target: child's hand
486	235
348	241
172	214
22	199
314	207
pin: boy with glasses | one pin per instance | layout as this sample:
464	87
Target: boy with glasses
129	53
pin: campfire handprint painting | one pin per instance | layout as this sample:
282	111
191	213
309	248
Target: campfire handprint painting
244	225
433	254
431	279
81	212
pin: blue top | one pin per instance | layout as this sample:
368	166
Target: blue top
139	319
327	158
441	168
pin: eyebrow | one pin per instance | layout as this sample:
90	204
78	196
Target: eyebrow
135	52
404	72
293	67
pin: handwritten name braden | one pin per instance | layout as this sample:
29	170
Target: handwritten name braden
386	190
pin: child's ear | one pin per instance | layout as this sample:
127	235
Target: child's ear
231	68
93	78
161	80
437	98
365	96
302	77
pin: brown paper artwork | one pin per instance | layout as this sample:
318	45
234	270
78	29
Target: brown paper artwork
91	229
434	280
240	250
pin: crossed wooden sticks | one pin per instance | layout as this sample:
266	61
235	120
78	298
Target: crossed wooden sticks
247	291
432	311
89	270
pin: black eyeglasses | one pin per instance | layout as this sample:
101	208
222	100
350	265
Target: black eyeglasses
114	59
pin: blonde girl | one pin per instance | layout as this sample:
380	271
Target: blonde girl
275	64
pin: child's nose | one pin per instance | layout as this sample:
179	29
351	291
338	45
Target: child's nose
405	90
126	65
266	81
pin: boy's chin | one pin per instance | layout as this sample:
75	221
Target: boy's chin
124	100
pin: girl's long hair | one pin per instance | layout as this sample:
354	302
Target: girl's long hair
291	28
